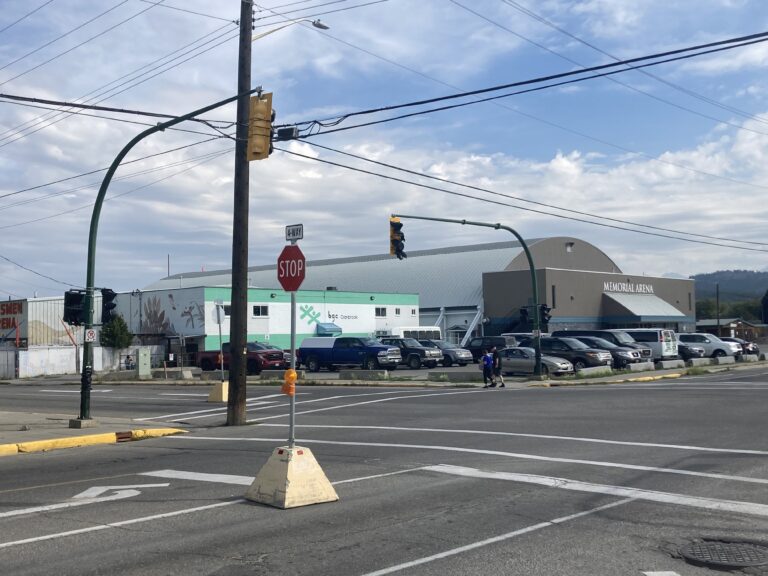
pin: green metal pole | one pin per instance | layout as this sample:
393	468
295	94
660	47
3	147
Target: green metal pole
87	372
534	283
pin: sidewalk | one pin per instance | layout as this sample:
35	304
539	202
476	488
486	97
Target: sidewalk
22	432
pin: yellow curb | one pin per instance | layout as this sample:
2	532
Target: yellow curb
8	449
155	433
539	385
69	442
645	379
672	376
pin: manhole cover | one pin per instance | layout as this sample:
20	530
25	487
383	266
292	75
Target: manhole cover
725	554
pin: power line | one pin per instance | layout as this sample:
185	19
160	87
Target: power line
57	56
38	273
615	80
668	56
528	12
308	16
496	202
190	11
519	199
25	16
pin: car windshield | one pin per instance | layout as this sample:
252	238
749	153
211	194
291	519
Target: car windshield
573	343
253	346
370	342
601	343
623	337
411	342
442	344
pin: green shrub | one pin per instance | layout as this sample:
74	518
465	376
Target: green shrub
116	334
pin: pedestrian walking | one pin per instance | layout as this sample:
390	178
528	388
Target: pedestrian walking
497	375
486	361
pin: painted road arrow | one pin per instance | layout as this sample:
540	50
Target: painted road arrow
90	496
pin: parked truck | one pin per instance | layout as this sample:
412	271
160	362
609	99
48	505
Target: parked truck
322	352
258	358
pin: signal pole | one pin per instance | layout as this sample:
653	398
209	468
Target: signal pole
238	327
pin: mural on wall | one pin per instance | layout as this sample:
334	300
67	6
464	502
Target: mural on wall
177	313
154	320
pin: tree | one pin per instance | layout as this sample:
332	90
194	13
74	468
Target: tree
706	309
116	334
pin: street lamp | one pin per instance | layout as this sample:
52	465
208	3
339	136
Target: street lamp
316	23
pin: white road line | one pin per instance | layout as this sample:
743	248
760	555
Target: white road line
665	573
367	402
519	434
248	480
94	391
494	540
750	508
485	452
183	394
107	526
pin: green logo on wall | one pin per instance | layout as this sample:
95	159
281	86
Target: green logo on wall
308	312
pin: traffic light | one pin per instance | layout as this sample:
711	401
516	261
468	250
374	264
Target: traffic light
396	239
524	316
260	127
74	313
544	314
108	306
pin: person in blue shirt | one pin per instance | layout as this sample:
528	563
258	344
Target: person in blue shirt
487	363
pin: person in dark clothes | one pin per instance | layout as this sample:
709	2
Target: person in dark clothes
487	363
497	376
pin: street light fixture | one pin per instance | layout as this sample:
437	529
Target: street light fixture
316	23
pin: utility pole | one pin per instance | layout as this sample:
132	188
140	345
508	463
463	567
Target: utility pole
238	331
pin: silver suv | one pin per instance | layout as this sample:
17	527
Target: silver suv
711	344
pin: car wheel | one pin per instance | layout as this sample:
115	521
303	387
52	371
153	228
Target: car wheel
206	364
371	364
313	364
579	364
718	354
447	362
414	362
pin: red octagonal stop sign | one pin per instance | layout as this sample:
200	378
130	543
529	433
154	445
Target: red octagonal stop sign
291	268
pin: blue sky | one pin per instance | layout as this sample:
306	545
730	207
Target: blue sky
683	149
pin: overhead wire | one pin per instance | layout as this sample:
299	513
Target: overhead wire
27	15
314	15
188	11
498	203
615	80
520	199
528	12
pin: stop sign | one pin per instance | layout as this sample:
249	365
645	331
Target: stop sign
290	268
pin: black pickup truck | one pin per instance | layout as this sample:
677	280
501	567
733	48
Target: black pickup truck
414	354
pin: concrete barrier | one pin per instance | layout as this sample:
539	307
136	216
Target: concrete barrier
454	376
698	362
747	358
724	360
640	366
595	371
363	375
763	356
669	364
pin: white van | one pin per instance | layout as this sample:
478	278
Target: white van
661	341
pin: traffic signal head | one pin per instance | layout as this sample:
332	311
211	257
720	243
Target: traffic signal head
74	309
260	130
544	313
396	238
108	305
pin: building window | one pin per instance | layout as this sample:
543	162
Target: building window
554	296
381	312
227	310
569	247
690	303
260	311
413	311
397	311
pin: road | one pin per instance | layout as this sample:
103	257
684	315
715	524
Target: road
588	480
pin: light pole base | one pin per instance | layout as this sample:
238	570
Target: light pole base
83	423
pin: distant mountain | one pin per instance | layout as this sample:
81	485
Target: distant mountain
735	285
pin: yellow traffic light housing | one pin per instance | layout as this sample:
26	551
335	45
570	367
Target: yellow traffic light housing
260	127
396	238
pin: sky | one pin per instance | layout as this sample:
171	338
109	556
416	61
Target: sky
663	168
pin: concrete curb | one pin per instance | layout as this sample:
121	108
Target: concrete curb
86	440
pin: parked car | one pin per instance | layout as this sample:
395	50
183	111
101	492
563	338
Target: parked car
523	361
688	351
479	343
452	353
662	341
576	352
711	344
367	353
618	337
413	353
257	358
265	346
622	355
746	346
